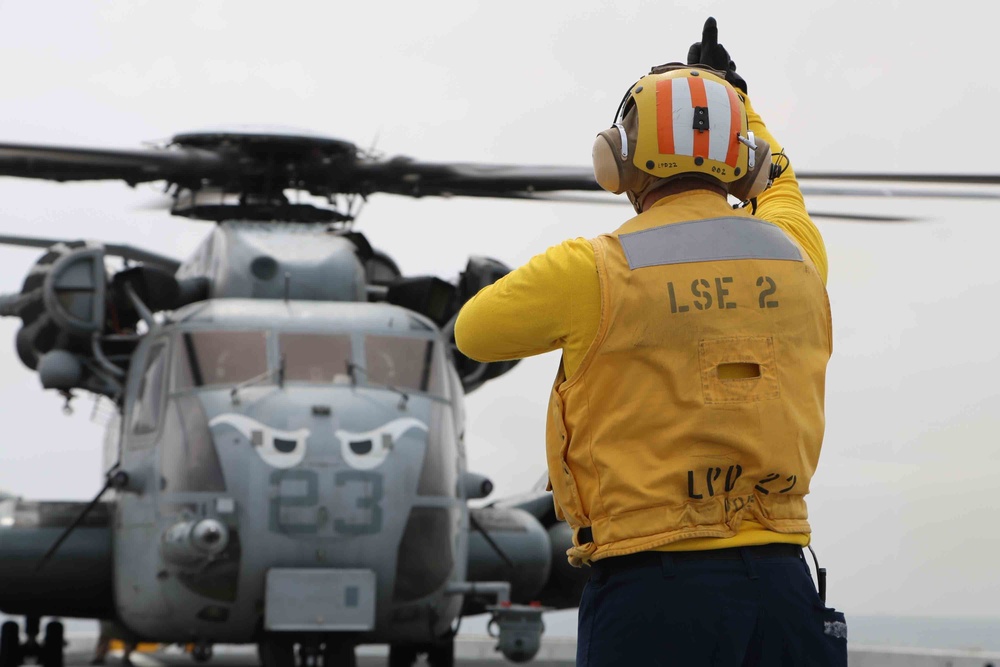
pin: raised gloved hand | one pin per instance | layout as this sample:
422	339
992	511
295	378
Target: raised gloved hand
709	52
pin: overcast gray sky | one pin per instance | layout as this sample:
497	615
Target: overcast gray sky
904	505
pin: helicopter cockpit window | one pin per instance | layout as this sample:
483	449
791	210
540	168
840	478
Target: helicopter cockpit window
220	357
404	363
146	410
321	358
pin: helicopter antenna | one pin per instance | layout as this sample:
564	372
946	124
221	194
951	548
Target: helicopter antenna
371	152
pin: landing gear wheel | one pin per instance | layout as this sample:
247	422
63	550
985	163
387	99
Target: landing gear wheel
442	655
275	650
10	645
309	653
201	653
53	645
339	654
402	655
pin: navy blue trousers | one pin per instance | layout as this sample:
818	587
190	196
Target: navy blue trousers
757	608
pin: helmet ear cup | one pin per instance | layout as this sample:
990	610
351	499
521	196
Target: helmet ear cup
614	172
756	180
606	155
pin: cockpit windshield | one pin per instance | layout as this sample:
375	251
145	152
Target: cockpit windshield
321	358
404	363
400	363
220	357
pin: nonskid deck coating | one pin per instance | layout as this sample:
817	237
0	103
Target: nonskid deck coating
474	651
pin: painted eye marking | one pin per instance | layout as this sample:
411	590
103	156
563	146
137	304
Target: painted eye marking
285	446
361	447
277	448
367	450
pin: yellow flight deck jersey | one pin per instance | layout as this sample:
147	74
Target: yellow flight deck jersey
622	478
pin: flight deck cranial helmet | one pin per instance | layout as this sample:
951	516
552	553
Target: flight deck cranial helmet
680	120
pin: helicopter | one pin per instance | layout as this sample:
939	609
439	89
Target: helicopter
286	462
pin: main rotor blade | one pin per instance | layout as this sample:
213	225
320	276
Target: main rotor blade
31	241
116	249
606	198
8	308
260	166
618	201
901	192
862	217
418	179
63	163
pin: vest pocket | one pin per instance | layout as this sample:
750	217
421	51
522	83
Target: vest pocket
738	369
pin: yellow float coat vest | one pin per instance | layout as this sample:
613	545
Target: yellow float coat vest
700	402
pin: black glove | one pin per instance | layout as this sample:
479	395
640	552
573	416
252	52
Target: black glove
709	52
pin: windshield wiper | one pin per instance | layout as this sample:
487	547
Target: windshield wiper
351	367
266	375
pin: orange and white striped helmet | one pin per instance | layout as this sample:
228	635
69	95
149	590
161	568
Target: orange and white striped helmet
678	120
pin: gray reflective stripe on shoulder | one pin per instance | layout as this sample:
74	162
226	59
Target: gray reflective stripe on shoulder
709	240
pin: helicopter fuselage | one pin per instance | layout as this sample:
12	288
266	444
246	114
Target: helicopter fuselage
286	457
267	438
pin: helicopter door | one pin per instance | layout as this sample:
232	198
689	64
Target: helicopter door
137	543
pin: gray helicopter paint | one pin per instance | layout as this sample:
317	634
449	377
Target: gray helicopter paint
136	544
322	512
251	260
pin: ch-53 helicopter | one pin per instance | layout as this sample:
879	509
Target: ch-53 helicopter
288	457
286	463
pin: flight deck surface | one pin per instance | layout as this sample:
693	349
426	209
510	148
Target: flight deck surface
80	650
475	651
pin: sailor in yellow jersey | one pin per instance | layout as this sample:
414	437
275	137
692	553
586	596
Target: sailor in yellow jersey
687	417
